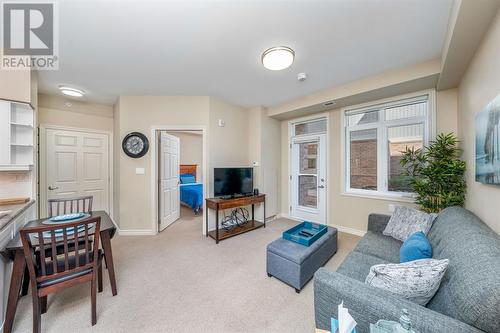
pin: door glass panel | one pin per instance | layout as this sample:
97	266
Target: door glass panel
363	159
308	191
400	138
317	126
308	157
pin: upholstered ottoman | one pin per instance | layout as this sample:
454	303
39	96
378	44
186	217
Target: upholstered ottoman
296	264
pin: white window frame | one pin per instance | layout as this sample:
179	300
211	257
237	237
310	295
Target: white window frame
429	121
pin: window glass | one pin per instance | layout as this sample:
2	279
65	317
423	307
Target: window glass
399	138
317	126
363	159
406	111
363	118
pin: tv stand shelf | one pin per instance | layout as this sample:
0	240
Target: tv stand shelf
219	203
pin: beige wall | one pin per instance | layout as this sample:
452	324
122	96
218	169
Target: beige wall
140	114
227	146
17	85
265	149
54	111
350	212
191	150
479	86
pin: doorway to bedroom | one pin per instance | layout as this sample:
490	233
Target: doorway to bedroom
180	178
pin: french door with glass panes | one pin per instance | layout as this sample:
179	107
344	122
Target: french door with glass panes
308	178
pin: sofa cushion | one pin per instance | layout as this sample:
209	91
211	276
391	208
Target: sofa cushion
470	290
416	280
378	245
406	221
417	246
357	265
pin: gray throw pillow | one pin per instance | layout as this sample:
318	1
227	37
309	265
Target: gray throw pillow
416	280
406	221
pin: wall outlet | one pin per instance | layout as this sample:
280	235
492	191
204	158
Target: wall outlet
139	171
222	123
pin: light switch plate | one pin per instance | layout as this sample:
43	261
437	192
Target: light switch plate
139	171
222	123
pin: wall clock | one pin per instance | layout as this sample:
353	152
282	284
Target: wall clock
135	144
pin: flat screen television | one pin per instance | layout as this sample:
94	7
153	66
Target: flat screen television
230	182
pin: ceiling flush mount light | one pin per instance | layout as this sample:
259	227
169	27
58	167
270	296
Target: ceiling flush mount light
278	58
73	92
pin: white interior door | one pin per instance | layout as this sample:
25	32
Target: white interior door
308	178
169	196
77	164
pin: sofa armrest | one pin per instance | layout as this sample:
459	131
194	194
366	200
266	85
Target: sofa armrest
368	304
377	222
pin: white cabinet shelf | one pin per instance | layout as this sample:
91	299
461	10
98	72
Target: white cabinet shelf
16	136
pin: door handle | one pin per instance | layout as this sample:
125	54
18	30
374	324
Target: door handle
321	186
53	188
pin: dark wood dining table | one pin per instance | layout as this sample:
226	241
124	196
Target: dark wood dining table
14	251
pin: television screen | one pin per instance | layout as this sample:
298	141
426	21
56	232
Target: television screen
233	181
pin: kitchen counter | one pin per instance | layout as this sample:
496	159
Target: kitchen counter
16	211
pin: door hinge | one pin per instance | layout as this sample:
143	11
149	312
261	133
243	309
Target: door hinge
290	146
290	208
290	177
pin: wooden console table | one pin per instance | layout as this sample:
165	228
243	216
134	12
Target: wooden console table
218	203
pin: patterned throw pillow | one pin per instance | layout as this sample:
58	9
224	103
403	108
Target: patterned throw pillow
416	280
406	221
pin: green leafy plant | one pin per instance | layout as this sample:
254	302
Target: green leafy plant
437	175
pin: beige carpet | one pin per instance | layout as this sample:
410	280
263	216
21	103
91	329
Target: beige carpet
180	281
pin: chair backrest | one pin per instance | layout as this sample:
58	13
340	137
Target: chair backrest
69	205
73	237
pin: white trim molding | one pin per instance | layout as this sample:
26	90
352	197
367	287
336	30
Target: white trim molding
136	232
429	133
154	170
290	136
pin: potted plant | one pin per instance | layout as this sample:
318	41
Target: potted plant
437	175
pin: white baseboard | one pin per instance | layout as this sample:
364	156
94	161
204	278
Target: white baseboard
136	232
340	228
348	230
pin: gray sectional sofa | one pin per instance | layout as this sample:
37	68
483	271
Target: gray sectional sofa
468	299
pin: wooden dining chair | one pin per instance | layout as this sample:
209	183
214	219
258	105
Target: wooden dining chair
62	206
55	207
76	265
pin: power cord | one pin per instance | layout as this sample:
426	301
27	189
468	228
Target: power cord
238	217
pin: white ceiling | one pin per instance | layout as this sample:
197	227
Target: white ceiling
112	48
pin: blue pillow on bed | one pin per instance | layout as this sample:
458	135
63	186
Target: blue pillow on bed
187	178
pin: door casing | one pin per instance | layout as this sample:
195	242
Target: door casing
291	123
154	168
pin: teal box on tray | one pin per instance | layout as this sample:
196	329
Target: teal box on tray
305	233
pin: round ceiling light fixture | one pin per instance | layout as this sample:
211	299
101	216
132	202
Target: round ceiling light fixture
278	58
73	92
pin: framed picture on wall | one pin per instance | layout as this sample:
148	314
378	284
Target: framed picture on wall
488	143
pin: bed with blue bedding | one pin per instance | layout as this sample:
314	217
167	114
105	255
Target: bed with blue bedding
191	192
